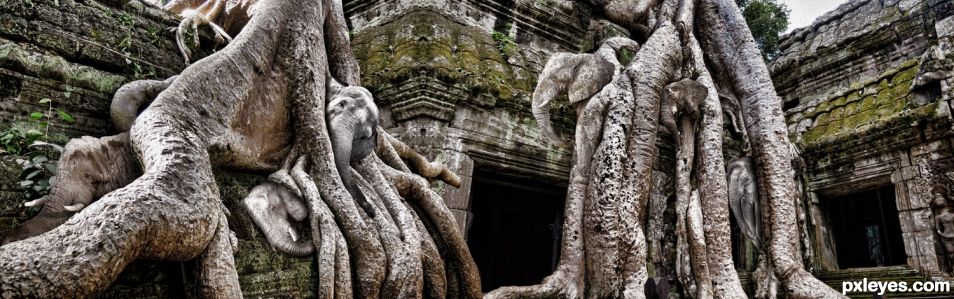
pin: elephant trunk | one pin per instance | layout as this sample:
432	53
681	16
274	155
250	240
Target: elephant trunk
51	215
342	139
134	97
282	241
542	96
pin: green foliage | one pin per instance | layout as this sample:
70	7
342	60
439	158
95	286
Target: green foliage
32	138
18	137
505	44
767	19
38	173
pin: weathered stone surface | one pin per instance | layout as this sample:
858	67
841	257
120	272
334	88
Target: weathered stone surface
76	53
850	83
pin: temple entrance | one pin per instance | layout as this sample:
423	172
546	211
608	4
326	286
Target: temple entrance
515	234
866	228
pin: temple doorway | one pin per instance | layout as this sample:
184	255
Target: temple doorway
866	228
515	234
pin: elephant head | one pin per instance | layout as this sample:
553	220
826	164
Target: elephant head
352	123
682	99
744	197
579	76
269	206
88	169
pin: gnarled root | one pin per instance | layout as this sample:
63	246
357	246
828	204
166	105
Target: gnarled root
727	38
412	261
426	169
602	225
192	18
217	275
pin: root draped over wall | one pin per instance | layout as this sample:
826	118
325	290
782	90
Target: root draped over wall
413	247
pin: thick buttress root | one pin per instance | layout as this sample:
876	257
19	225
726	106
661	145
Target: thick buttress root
602	252
412	258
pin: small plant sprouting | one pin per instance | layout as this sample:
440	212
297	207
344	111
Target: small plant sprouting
33	139
505	44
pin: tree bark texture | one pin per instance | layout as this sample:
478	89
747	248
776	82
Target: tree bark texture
275	69
731	47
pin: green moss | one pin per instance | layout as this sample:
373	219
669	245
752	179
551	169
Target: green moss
55	67
905	75
881	102
854	121
839	102
870	102
823	107
814	134
822	119
425	43
850	109
835	126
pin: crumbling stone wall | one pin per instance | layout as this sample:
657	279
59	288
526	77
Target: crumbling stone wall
855	104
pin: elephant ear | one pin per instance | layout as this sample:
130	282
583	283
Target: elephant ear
334	87
743	198
592	74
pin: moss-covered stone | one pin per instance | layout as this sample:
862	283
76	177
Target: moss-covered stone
425	42
904	75
13	56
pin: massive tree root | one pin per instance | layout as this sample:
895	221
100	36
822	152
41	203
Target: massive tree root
275	69
603	252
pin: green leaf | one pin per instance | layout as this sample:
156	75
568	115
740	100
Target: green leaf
38	188
40	159
34	132
26	183
36	115
33	174
45	100
64	116
51	167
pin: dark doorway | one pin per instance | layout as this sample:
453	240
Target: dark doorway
866	228
515	234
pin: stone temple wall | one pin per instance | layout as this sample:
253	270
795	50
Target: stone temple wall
454	79
869	108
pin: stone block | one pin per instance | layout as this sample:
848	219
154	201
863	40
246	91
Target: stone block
921	219
459	198
945	27
463	219
925	243
910	244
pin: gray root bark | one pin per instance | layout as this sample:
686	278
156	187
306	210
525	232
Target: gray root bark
609	181
712	184
280	60
729	42
603	252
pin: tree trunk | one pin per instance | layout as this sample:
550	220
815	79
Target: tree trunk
413	247
172	212
730	44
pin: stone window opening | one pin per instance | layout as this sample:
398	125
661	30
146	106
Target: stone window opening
515	233
866	228
927	93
